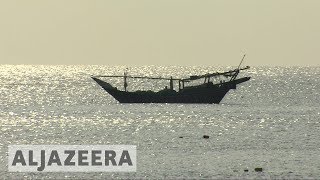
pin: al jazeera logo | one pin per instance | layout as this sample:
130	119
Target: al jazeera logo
72	158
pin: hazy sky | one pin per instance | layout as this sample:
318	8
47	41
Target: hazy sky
160	32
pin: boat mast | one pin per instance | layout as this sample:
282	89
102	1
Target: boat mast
241	61
125	75
171	83
238	69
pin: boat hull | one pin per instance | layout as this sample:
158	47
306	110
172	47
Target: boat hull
203	94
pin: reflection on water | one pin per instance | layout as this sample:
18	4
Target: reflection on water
271	121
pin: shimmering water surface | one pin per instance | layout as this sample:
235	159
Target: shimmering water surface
272	122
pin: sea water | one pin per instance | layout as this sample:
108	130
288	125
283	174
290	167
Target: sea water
271	121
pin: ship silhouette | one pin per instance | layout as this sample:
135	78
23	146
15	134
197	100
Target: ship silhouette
208	92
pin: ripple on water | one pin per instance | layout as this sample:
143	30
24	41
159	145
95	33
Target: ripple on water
271	121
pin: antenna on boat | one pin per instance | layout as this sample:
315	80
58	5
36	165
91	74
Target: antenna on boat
241	61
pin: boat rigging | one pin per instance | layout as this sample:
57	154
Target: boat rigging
207	92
